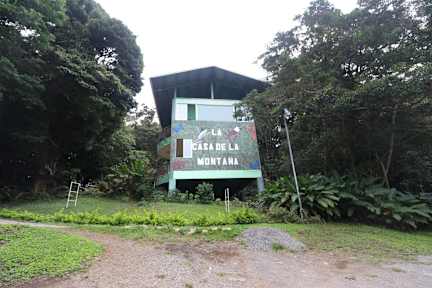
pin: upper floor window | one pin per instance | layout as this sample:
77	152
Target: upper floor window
204	112
181	112
215	113
185	112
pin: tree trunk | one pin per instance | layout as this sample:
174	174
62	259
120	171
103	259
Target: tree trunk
386	167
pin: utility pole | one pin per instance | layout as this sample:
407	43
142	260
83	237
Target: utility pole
287	115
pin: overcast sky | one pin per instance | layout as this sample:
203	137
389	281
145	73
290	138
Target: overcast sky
177	35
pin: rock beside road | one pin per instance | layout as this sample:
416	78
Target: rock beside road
266	239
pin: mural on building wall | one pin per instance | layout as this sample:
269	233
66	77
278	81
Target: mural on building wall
208	145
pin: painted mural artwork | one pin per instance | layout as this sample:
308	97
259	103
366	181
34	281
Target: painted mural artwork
215	146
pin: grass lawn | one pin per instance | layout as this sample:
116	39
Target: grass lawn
353	239
26	253
85	204
110	206
187	209
167	234
361	240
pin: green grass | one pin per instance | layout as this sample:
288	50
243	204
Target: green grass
169	233
278	247
353	239
85	204
188	209
26	253
360	240
110	206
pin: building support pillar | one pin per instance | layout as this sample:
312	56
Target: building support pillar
260	184
171	186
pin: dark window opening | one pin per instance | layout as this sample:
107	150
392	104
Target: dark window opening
191	112
179	148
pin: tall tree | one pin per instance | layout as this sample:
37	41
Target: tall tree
69	73
359	85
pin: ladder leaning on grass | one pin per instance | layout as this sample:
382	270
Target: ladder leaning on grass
73	193
227	200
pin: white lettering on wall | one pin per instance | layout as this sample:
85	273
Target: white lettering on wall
217	146
217	161
216	132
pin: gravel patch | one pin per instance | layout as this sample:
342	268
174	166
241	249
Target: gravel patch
266	239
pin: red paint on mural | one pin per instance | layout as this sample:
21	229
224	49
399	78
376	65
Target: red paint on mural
178	164
233	134
252	131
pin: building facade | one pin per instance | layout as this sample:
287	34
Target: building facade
202	140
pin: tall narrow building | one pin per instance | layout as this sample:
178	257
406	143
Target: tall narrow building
202	140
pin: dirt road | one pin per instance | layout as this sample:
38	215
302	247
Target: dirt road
128	263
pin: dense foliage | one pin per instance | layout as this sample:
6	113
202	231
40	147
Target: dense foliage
68	75
204	192
359	87
146	131
333	198
133	177
369	201
319	195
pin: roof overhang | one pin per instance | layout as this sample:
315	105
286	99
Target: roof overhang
196	84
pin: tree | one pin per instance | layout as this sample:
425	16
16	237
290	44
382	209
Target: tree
359	85
134	176
68	75
146	131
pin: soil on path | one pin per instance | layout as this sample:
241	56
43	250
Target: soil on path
128	263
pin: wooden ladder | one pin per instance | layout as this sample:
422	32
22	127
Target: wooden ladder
73	193
227	200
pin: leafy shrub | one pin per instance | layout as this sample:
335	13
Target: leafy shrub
158	195
366	200
283	215
9	193
319	195
369	201
244	216
248	193
138	217
204	192
180	197
235	202
134	177
201	220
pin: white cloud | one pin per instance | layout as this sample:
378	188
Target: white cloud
182	35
